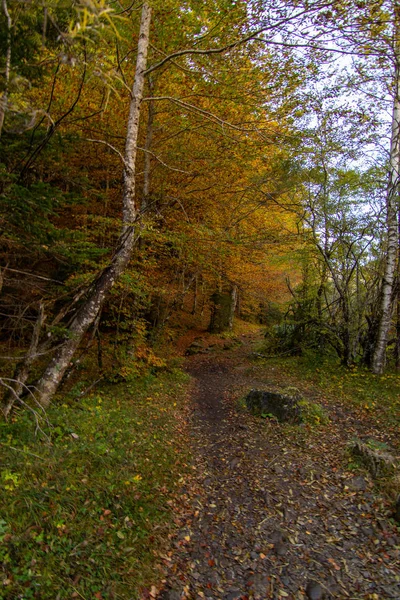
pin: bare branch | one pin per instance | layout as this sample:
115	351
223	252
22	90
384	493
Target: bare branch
227	47
113	148
163	163
34	275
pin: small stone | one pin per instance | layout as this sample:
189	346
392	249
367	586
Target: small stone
397	510
277	536
170	595
314	591
281	548
233	595
358	484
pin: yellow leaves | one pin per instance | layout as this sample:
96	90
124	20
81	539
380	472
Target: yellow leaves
92	15
133	480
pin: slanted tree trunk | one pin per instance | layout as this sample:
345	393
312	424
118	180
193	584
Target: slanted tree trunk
100	287
386	308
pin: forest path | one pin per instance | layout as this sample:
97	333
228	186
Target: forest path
271	511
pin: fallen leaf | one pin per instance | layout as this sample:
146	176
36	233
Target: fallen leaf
334	564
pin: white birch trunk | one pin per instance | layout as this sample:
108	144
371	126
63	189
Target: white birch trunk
147	148
99	289
234	298
379	356
4	97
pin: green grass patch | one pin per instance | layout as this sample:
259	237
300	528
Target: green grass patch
377	395
83	514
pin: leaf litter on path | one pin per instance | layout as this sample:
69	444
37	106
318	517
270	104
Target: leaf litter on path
271	511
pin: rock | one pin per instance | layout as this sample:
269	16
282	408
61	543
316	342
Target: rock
170	594
378	462
195	348
277	536
397	510
284	407
358	484
281	548
314	591
278	470
233	595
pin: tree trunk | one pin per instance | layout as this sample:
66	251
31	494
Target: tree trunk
4	97
234	297
99	289
147	148
23	370
386	309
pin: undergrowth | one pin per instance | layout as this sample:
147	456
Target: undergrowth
84	511
376	395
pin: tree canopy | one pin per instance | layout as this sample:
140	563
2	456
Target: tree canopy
157	157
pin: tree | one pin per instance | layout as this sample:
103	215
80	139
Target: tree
96	294
98	290
392	209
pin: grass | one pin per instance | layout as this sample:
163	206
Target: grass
376	395
83	514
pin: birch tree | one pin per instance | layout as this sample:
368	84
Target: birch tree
392	210
100	287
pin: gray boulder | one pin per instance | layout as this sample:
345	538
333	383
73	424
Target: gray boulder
285	408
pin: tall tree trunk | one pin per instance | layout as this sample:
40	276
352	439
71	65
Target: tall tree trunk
4	97
99	289
147	148
379	356
397	301
234	297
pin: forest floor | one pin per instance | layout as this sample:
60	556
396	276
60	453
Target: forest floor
277	511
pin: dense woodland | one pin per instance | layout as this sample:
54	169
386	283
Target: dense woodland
198	199
167	166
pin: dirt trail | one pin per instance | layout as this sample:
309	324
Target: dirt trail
271	510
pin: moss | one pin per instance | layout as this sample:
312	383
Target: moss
313	413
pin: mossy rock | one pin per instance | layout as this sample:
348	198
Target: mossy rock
375	458
284	408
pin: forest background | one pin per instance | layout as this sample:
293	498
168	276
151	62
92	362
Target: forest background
264	181
170	167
